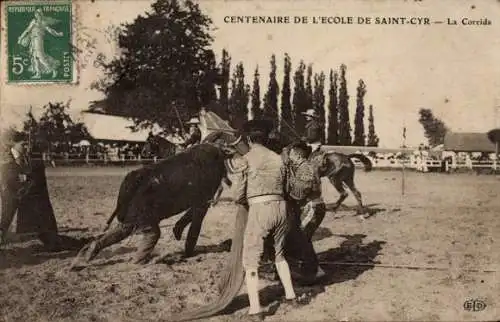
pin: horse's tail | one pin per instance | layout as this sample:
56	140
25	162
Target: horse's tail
366	162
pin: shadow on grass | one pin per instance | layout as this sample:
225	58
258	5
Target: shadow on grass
180	257
33	254
369	210
351	250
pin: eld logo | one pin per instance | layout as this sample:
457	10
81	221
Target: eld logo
474	305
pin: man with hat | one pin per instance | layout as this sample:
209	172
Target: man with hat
14	181
258	176
24	191
313	130
304	188
194	134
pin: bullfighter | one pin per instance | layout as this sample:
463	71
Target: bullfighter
261	188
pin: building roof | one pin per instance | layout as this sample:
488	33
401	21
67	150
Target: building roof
468	142
112	128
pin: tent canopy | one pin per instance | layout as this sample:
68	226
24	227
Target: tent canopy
468	142
104	127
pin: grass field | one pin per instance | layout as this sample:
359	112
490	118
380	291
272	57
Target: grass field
444	221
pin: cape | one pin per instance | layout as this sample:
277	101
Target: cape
299	252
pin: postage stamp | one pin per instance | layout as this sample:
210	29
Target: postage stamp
39	42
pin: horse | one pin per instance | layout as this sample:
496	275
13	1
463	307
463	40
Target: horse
157	146
339	169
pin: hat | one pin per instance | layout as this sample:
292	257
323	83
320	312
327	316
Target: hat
310	112
258	126
194	120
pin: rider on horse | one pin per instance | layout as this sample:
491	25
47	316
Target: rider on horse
312	136
313	130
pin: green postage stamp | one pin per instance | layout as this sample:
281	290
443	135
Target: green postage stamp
39	42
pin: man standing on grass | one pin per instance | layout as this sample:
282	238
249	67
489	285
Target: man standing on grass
14	181
304	189
261	190
24	191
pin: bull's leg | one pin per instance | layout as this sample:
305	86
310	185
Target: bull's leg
197	216
337	183
149	237
111	237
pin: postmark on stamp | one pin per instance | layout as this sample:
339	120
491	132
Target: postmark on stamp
39	42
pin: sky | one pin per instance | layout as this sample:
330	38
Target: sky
452	70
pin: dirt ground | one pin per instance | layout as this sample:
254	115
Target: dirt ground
444	221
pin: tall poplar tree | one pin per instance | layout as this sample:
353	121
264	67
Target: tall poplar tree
225	73
238	102
333	115
309	90
344	123
299	100
319	101
271	97
286	106
359	124
256	111
373	139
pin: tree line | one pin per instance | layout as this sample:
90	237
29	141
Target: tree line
167	71
238	101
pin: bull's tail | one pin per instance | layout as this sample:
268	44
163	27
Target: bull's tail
366	162
128	188
111	218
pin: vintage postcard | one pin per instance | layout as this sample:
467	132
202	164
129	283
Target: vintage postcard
249	160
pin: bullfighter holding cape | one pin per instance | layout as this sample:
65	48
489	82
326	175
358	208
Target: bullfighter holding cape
24	191
291	244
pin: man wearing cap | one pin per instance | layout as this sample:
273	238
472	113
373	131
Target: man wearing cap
24	190
194	134
313	130
14	172
261	188
304	189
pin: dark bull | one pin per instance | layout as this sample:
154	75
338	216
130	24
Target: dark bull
186	181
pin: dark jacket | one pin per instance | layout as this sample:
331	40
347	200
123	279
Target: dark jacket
313	132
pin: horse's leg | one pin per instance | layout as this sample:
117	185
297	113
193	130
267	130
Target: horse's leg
197	216
337	183
349	181
181	224
149	237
